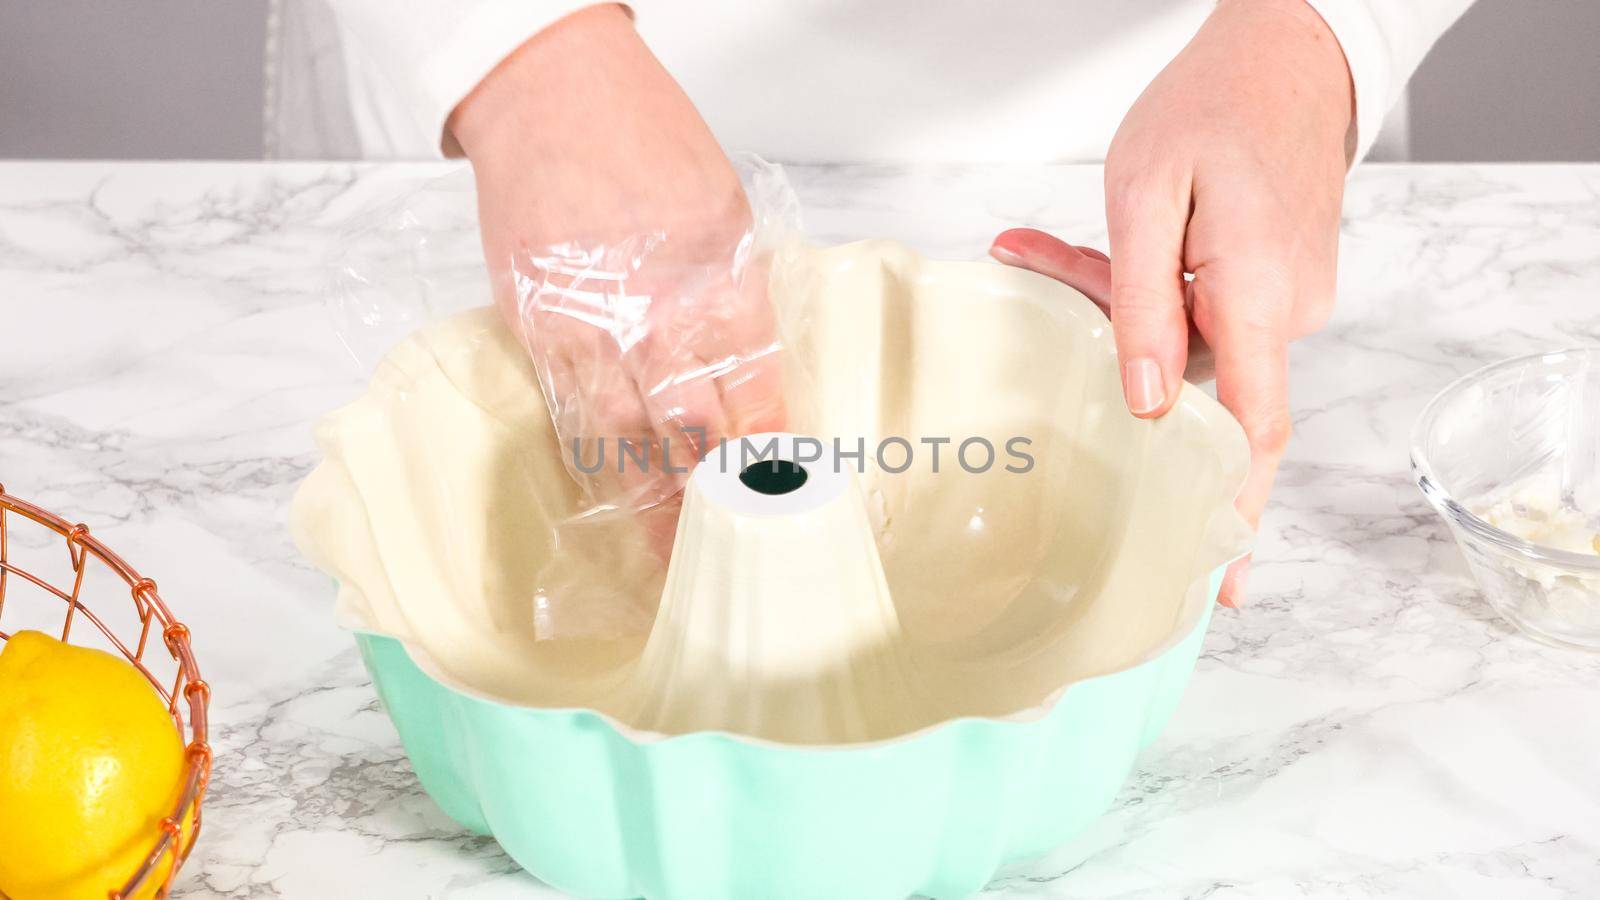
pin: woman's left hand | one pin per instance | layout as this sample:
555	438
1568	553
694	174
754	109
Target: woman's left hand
1230	166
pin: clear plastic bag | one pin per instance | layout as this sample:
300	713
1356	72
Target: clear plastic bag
648	350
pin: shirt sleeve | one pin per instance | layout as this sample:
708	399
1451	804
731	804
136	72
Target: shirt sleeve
434	53
1384	42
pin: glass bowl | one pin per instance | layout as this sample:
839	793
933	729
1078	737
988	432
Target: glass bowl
1510	457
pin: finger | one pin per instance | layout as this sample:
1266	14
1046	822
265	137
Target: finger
605	407
642	481
660	525
746	340
685	407
1147	220
1232	593
690	346
1253	391
1201	366
752	395
1086	270
598	412
1039	252
1244	314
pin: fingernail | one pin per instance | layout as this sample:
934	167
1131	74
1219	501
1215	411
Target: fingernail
1141	382
1004	255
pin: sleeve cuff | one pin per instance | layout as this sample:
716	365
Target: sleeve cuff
433	54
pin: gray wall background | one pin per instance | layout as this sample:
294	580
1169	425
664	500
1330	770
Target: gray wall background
182	79
159	79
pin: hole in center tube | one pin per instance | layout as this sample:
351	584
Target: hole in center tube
773	476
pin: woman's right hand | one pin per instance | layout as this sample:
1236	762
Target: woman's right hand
612	223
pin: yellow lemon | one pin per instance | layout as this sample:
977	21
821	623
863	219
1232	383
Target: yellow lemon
90	764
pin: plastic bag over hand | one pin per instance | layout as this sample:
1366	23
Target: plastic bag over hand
648	349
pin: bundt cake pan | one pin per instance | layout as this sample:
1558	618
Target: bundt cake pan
596	810
1058	619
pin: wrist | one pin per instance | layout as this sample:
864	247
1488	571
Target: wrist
597	142
538	77
1304	53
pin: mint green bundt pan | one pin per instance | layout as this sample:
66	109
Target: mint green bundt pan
1056	619
707	816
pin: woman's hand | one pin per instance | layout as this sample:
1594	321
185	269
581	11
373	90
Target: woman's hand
1230	166
611	224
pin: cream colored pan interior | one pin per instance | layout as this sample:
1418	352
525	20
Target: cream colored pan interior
436	503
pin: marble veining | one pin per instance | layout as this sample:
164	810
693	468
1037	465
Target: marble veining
1365	727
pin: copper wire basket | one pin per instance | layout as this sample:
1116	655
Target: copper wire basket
153	620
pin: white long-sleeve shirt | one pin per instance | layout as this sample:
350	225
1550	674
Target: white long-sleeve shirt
804	80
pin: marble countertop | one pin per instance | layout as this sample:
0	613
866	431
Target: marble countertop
1364	727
